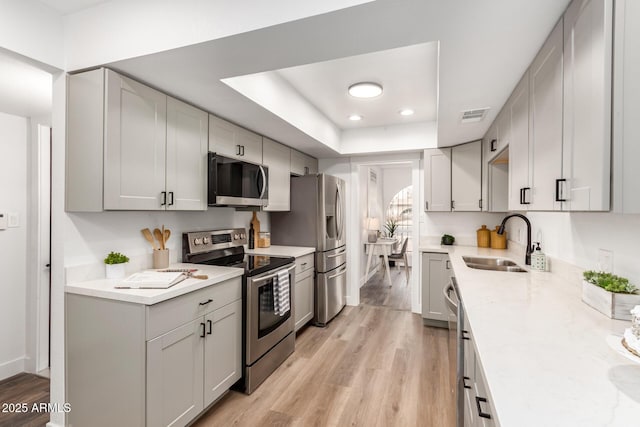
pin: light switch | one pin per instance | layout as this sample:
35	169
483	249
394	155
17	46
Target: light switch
14	219
3	220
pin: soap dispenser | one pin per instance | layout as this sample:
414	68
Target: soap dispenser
538	259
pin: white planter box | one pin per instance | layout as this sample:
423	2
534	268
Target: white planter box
114	271
615	306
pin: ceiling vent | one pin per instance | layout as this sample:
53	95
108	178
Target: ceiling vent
472	116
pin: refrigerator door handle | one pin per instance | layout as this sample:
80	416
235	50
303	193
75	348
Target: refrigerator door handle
339	218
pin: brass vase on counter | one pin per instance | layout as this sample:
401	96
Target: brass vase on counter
484	237
498	241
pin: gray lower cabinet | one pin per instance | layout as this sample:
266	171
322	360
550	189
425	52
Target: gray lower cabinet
436	271
478	405
304	291
152	365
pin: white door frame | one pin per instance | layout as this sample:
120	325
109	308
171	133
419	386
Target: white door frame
355	242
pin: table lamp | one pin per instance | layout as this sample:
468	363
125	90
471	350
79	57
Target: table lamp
373	225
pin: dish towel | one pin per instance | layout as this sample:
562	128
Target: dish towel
281	300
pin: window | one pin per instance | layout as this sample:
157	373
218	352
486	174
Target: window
400	211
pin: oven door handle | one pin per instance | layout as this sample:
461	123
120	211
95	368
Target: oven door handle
452	305
270	276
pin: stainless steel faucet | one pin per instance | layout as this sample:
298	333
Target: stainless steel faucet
527	257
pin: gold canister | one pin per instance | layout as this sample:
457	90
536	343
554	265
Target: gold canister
498	241
484	237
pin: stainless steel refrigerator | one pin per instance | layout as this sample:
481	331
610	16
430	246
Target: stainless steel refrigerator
317	219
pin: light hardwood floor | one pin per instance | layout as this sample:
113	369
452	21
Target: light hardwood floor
372	366
378	292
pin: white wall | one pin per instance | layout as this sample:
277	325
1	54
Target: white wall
394	179
13	243
576	237
405	137
31	29
112	30
89	237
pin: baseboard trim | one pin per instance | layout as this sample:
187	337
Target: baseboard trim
12	367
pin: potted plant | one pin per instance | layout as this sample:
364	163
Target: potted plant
611	295
114	264
391	226
447	239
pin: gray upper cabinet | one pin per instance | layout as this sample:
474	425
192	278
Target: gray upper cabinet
130	147
232	141
135	140
586	150
518	107
626	105
302	164
277	158
545	119
187	143
437	180
466	177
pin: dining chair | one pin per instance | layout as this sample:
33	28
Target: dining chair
402	256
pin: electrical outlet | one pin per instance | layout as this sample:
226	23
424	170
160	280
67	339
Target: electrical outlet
605	260
14	219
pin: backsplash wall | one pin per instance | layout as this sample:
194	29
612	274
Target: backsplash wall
89	237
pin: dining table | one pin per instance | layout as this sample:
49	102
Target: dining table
384	247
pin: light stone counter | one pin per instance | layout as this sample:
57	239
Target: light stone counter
294	251
105	288
543	351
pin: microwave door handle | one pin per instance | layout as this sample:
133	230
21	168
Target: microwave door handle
264	182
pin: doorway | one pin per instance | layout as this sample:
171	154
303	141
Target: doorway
386	217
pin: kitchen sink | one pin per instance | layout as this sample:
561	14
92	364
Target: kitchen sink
494	264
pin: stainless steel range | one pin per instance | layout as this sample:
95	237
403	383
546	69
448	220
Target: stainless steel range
267	294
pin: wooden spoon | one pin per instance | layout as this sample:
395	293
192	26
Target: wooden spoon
158	235
167	234
147	235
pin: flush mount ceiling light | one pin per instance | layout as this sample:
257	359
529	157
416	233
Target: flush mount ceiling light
365	90
355	117
406	112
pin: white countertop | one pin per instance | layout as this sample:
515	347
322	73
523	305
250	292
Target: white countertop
543	351
105	288
294	251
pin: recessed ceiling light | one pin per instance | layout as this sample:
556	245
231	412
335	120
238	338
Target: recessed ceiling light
355	117
406	112
365	90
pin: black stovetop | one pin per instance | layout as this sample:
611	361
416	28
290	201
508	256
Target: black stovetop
252	264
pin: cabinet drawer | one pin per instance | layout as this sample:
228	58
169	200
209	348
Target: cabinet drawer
168	315
304	263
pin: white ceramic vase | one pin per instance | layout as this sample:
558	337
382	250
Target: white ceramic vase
115	271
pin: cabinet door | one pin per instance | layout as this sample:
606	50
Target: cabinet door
301	164
519	190
233	141
174	376
135	143
545	118
466	177
436	271
303	297
222	350
277	158
437	180
187	144
586	147
487	142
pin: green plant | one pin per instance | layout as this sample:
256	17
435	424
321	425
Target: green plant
447	239
610	282
116	258
391	226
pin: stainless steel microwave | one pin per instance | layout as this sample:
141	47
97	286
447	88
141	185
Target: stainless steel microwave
233	182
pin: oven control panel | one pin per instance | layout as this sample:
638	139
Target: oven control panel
206	241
